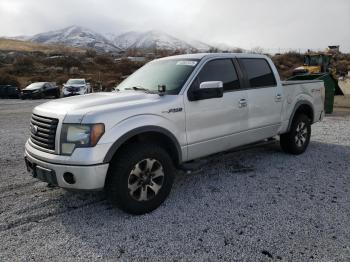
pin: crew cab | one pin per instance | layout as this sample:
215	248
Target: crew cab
76	87
172	110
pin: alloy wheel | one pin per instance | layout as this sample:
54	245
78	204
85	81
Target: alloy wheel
146	179
301	134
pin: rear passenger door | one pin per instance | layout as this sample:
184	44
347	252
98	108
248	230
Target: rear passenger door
211	124
264	98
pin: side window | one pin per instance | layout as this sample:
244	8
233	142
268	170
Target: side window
259	72
219	70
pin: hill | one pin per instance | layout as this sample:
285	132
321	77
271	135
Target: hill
150	40
27	46
77	36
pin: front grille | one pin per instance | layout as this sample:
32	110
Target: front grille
72	89
43	131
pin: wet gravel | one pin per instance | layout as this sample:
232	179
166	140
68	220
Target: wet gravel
254	205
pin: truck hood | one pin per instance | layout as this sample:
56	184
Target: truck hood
75	108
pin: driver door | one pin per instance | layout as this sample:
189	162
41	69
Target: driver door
216	124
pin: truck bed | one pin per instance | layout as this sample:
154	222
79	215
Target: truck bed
309	90
298	82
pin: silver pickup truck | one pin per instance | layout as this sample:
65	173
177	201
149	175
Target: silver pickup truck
172	110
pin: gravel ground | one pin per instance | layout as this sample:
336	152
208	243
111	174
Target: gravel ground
254	205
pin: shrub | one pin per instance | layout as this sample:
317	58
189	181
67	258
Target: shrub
6	79
127	67
90	53
65	62
103	60
23	65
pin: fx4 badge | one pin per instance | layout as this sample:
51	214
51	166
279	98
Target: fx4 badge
173	110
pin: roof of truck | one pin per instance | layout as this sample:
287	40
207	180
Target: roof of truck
212	55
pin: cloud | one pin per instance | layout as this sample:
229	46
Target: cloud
246	23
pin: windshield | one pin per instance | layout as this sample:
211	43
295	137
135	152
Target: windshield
171	73
76	82
34	86
312	60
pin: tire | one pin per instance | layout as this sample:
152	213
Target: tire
297	139
140	178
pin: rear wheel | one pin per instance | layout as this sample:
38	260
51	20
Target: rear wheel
297	139
140	178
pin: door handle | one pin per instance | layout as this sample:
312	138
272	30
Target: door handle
278	97
242	103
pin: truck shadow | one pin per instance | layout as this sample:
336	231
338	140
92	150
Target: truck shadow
227	196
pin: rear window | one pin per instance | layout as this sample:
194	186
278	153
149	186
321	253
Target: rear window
259	72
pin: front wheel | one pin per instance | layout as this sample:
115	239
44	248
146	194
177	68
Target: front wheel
297	139
140	178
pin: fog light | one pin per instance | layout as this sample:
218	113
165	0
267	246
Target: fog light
69	178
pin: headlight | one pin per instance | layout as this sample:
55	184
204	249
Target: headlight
76	135
35	91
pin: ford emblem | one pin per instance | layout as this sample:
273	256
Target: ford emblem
34	129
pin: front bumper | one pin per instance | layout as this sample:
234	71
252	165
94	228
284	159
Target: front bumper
66	94
31	95
85	177
73	93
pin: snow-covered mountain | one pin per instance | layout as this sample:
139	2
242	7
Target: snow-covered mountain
200	46
77	36
150	40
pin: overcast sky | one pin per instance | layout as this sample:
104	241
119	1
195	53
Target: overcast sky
269	24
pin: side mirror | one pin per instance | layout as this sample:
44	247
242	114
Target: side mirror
207	90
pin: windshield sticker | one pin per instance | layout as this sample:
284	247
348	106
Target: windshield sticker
187	63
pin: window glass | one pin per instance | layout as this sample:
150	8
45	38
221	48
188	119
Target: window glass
259	72
35	86
219	70
172	73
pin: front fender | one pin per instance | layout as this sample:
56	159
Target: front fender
132	126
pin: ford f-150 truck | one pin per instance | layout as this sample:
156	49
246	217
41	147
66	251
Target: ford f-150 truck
175	109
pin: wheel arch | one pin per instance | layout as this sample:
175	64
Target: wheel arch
304	107
155	134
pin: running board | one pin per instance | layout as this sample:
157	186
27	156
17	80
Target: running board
197	165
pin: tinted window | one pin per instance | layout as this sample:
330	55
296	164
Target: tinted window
259	72
219	70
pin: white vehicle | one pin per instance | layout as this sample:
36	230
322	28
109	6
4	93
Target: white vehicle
171	111
76	87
